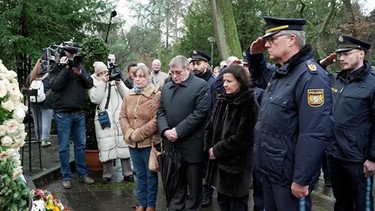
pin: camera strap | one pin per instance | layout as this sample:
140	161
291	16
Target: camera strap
108	97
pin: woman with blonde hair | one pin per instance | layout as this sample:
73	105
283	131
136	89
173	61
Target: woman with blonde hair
139	126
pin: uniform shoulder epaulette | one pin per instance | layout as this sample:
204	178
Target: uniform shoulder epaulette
313	68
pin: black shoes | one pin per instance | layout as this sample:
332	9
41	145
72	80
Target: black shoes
106	180
207	195
129	178
206	202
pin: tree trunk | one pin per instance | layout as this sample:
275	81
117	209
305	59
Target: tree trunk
226	34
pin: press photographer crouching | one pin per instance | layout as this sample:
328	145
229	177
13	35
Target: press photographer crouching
107	93
69	83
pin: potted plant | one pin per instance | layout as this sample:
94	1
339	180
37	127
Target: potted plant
93	49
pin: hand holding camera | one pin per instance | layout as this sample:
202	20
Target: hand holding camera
64	60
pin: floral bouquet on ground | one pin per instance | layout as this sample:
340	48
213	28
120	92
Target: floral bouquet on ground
14	194
43	200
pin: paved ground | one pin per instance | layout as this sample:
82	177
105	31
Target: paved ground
117	195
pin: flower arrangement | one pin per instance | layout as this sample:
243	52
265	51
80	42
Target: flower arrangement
14	195
43	200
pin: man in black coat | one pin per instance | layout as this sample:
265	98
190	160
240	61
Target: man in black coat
182	114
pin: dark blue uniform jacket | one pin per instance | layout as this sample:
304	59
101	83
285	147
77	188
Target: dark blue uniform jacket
295	121
354	114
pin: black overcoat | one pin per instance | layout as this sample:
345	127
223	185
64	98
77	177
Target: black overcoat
231	134
186	107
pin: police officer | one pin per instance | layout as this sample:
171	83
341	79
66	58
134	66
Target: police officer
351	154
199	62
294	124
201	68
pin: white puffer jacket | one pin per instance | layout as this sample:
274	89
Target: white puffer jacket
110	140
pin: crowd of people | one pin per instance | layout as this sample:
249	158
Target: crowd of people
248	123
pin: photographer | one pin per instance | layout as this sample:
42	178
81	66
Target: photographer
107	94
69	82
113	67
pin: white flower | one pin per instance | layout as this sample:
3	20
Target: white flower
19	112
6	141
11	75
3	130
19	141
12	125
8	105
17	172
3	90
21	128
7	154
13	89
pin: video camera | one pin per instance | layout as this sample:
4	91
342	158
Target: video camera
70	47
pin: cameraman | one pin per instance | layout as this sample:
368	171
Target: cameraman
107	94
113	67
69	82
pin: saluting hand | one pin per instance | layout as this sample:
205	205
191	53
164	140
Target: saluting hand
330	59
258	46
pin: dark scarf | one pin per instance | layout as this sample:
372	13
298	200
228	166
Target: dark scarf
237	97
205	75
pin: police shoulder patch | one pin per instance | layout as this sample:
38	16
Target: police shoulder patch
315	97
312	67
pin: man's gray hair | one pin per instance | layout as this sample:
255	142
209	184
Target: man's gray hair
300	36
179	61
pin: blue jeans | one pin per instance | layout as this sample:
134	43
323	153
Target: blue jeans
75	124
47	115
42	121
147	181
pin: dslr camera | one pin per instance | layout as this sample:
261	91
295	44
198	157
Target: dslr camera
113	75
112	72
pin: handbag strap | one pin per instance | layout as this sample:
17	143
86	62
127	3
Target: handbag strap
108	97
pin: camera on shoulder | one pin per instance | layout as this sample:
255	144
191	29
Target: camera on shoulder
72	48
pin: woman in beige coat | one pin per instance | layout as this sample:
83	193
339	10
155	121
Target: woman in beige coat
110	139
139	126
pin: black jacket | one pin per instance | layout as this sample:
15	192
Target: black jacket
186	107
69	89
231	134
354	115
295	122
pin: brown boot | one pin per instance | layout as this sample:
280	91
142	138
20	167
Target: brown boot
150	209
140	208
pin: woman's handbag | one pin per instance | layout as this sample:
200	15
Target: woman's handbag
153	163
103	116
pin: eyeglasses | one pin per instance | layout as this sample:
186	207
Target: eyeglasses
176	72
346	53
272	39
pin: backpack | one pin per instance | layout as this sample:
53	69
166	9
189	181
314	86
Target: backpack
38	85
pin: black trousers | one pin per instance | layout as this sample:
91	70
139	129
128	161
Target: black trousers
280	198
228	203
188	195
349	185
258	190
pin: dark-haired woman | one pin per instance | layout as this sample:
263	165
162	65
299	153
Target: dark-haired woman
229	139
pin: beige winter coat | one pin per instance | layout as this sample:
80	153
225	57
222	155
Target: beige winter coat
138	116
110	139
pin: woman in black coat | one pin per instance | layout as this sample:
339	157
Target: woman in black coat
229	139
